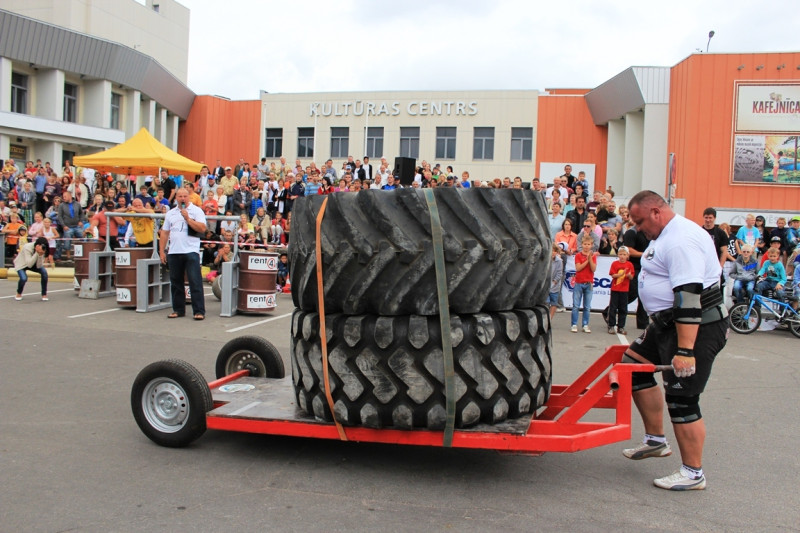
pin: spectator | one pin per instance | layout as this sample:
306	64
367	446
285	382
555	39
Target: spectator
32	257
744	275
556	279
283	270
277	229
555	219
622	272
585	266
748	234
773	275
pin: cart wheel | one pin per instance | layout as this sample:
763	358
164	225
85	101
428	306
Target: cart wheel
255	354
170	400
741	322
794	326
216	287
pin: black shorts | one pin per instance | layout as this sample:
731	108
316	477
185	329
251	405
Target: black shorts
658	345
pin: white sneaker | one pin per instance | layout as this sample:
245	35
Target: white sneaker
18	298
586	329
45	299
680	481
647	449
574	329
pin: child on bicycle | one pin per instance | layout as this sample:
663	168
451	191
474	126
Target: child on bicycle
772	275
744	274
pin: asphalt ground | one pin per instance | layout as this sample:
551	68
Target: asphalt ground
73	459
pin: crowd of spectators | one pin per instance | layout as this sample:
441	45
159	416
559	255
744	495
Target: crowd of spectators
39	201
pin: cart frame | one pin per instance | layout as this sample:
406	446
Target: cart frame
558	427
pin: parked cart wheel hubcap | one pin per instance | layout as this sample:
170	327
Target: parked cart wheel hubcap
246	360
165	405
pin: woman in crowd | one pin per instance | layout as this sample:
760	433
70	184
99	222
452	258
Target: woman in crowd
567	239
762	244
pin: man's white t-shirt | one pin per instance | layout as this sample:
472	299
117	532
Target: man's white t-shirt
179	240
683	253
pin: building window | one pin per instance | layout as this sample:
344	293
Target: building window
409	142
521	144
374	142
70	102
19	93
445	143
340	142
116	103
483	144
273	146
305	142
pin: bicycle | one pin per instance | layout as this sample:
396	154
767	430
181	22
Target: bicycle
745	318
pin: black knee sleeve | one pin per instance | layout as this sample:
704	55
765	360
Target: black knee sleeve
639	380
683	409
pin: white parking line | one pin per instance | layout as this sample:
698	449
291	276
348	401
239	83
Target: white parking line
95	313
48	292
257	323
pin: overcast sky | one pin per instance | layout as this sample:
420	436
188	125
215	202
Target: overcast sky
239	47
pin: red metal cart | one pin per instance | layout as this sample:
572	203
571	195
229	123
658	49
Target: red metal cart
173	405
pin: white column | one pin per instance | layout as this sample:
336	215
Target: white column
654	148
615	157
171	141
634	130
5	89
160	128
131	112
97	103
49	93
148	115
48	151
5	142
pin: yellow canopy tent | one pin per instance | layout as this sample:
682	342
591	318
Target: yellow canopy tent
140	155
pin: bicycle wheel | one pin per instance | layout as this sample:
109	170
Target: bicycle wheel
794	324
743	319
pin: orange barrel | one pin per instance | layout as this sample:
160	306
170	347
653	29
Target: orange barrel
80	253
125	272
258	274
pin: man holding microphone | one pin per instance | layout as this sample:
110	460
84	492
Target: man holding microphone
183	226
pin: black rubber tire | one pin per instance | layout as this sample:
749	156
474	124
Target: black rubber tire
250	352
737	321
377	251
170	400
794	327
216	287
389	371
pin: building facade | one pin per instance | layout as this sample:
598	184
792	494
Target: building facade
65	93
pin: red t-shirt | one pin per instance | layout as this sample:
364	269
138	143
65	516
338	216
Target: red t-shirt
586	275
621	284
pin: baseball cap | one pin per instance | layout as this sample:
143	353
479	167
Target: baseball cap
228	168
775	239
12	203
794	218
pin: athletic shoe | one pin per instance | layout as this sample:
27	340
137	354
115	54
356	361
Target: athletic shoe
650	448
622	331
680	481
612	330
45	299
18	298
586	329
561	310
573	329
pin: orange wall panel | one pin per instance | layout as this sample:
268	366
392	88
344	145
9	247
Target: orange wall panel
222	129
566	132
701	130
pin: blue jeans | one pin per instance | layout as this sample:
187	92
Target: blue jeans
770	284
740	286
70	232
23	279
188	265
581	296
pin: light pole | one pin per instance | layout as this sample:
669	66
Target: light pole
710	35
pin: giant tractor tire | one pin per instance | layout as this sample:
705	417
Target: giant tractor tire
377	251
389	371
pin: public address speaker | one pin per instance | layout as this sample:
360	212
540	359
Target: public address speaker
404	168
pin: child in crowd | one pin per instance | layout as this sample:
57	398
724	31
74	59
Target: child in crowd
773	275
744	274
283	270
556	278
585	265
622	273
